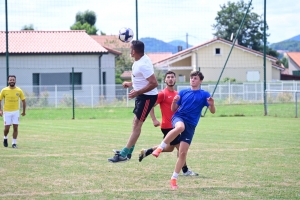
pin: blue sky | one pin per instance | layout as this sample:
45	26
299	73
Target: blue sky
162	19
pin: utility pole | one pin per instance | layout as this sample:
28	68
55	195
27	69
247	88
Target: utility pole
187	43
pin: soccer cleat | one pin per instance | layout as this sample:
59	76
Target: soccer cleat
5	144
142	155
118	152
157	151
14	146
173	184
190	173
117	158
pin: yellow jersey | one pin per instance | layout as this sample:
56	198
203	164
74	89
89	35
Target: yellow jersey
11	98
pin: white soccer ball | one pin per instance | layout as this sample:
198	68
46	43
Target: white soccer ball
125	34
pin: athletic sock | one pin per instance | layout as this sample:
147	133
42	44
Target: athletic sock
14	141
162	145
5	137
185	169
174	176
149	151
131	149
124	152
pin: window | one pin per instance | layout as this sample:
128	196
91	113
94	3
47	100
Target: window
217	51
47	81
77	80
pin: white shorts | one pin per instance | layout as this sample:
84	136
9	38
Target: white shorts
11	117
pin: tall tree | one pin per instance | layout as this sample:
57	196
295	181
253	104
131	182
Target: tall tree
86	21
229	19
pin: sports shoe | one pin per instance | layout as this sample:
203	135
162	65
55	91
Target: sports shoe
142	155
173	184
118	152
14	146
117	158
5	144
190	173
157	151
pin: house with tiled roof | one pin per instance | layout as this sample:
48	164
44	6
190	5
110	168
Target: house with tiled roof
43	59
243	65
294	63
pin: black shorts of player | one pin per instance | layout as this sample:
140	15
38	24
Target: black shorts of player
175	141
143	105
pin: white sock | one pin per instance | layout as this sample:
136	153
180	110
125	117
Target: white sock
5	137
174	176
162	145
14	141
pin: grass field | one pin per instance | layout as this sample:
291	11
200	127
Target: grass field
244	156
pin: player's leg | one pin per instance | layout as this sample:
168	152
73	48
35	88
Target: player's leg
169	148
143	105
7	123
183	149
185	170
15	121
178	128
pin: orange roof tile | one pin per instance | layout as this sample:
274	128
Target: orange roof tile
49	42
295	56
111	41
158	56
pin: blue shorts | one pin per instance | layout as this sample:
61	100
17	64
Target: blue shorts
188	133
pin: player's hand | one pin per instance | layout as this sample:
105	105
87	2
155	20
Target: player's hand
132	94
156	123
1	113
23	113
176	98
211	101
126	84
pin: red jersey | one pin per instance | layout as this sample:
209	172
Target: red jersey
164	99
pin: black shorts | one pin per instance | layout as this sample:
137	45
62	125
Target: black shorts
175	141
143	105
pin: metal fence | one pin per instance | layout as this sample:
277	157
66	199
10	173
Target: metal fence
57	96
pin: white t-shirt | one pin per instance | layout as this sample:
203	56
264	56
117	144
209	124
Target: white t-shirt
141	70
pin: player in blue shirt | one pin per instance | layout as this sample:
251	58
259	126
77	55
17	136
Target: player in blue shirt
188	105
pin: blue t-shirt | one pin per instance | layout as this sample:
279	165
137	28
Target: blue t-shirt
190	104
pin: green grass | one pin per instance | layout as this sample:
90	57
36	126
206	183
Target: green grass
249	157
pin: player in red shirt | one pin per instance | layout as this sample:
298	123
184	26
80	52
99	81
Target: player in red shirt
164	99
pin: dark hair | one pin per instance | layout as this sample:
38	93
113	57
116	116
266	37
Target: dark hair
197	73
169	72
11	76
138	46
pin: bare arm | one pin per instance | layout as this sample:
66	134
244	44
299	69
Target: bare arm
153	117
1	113
174	105
211	106
24	108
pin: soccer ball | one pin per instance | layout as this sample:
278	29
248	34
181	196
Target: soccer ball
125	34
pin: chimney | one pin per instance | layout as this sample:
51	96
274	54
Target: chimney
179	48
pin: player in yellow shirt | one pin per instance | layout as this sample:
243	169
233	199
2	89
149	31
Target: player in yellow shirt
11	113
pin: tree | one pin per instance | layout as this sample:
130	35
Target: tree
28	27
251	34
86	21
285	62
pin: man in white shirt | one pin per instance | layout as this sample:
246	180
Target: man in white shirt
144	85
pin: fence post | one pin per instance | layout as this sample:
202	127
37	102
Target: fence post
296	101
92	94
55	95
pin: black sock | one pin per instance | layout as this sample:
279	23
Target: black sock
185	169
149	151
